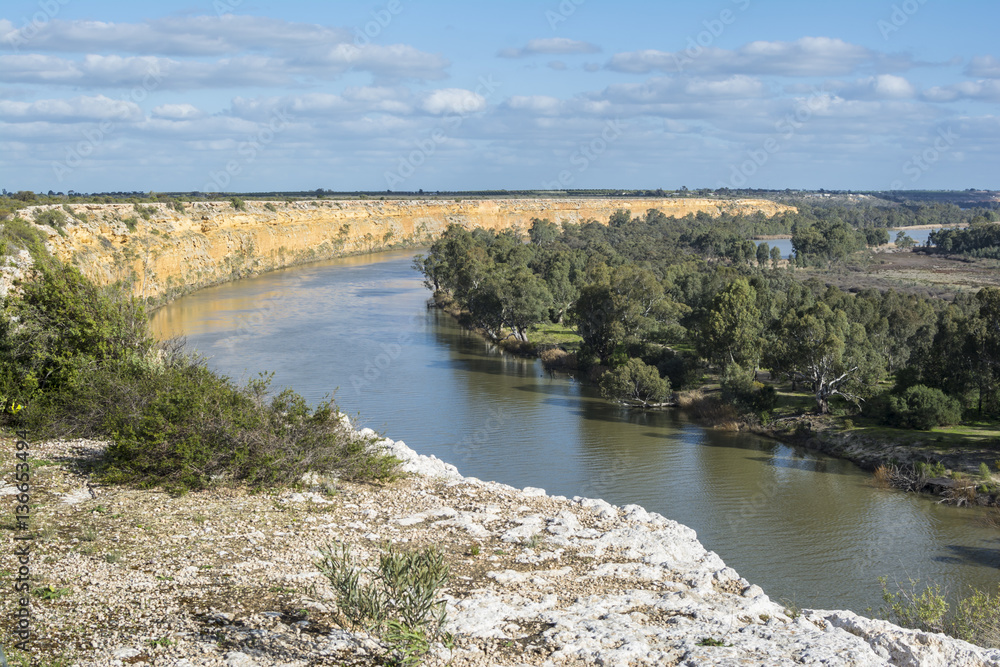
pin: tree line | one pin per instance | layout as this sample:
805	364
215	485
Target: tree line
657	301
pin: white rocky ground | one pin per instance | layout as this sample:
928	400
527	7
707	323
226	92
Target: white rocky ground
226	578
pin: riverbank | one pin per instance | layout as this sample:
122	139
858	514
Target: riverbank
126	576
869	447
899	453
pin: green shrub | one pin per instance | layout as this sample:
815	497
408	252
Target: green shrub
145	211
930	470
975	618
177	206
81	217
82	361
238	204
270	207
741	389
131	223
398	601
63	325
635	382
51	217
984	473
923	408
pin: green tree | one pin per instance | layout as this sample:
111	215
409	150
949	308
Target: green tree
763	254
775	256
635	382
820	346
527	302
733	330
597	320
543	232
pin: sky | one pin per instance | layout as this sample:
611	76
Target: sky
403	95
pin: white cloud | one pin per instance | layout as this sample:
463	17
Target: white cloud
78	109
174	36
205	51
384	62
177	112
985	67
881	87
551	46
983	91
808	56
453	100
685	90
536	104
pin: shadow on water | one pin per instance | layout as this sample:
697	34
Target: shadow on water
982	556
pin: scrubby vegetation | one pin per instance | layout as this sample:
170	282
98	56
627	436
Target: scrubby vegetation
398	601
80	360
974	617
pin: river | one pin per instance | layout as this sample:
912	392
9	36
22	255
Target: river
808	528
920	236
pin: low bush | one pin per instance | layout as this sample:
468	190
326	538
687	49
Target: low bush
558	359
238	204
635	382
51	217
974	618
741	389
930	470
81	360
17	234
397	601
922	408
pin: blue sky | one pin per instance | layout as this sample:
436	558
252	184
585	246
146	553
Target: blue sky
252	95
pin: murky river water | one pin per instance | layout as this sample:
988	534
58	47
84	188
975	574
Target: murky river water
806	527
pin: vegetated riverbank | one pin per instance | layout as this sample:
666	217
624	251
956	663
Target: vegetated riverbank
944	462
949	463
227	577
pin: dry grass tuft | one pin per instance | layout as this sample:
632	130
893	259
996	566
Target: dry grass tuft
883	477
709	409
558	359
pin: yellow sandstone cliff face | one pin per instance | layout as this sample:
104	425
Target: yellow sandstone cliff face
173	253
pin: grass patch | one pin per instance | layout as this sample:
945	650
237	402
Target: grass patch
555	334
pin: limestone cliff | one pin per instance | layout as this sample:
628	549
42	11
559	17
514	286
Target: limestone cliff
170	252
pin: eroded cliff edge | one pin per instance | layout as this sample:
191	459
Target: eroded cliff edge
228	578
170	252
